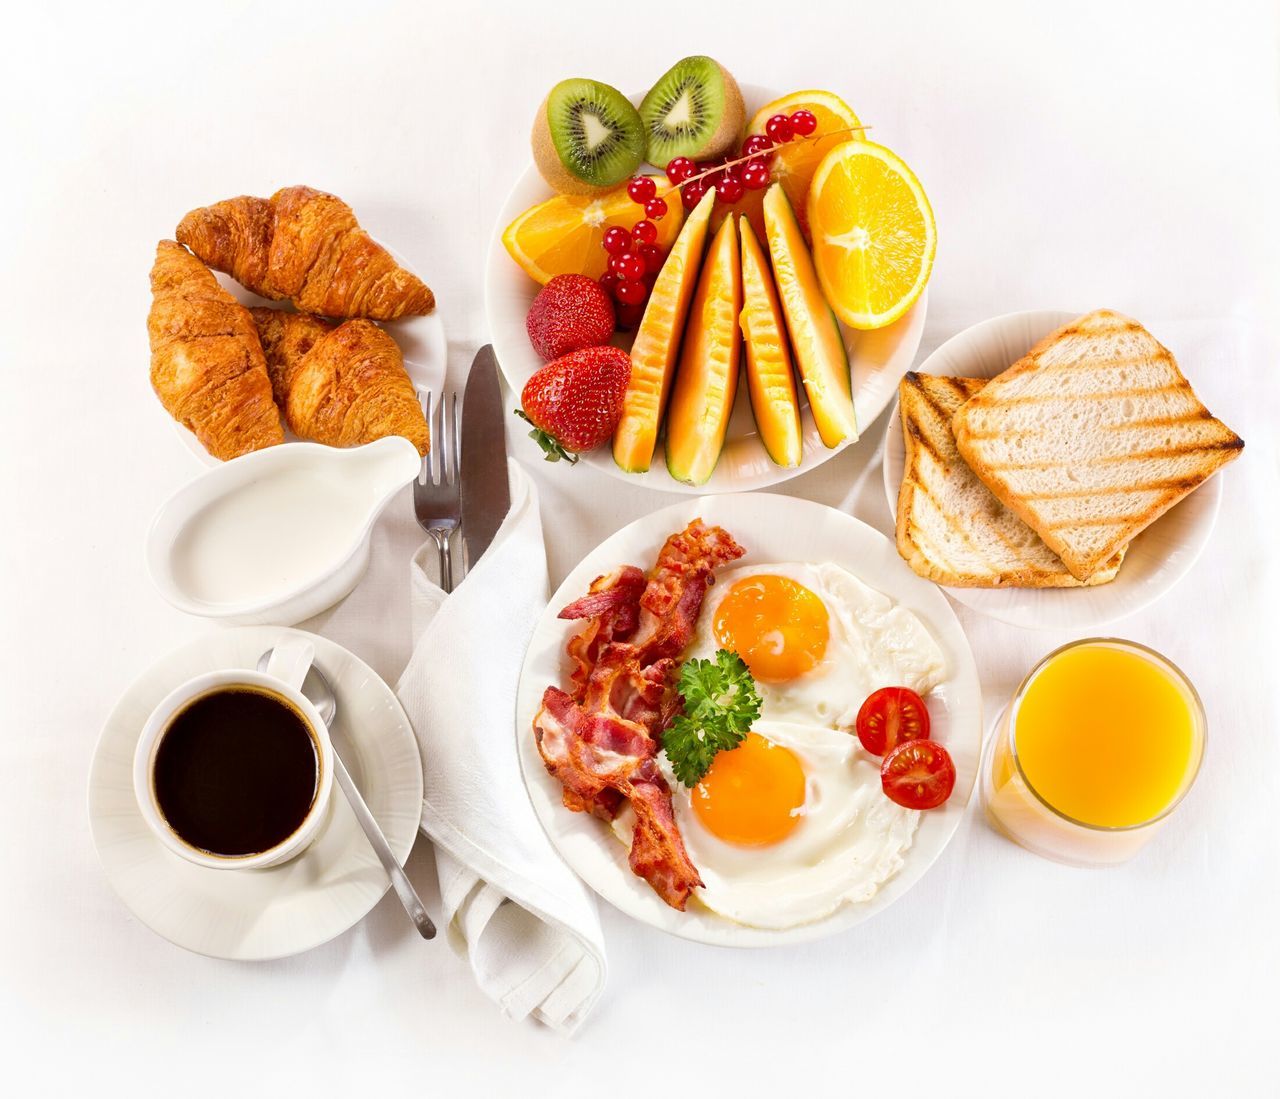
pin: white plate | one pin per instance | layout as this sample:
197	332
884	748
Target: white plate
770	528
421	339
878	360
1158	557
259	914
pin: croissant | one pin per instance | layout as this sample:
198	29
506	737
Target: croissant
342	385
207	365
305	246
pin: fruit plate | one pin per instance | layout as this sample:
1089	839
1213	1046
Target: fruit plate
878	360
1158	557
421	340
771	528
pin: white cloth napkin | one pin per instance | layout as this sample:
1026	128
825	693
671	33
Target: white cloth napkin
512	907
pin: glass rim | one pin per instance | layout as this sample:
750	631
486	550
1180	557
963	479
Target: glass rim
1197	708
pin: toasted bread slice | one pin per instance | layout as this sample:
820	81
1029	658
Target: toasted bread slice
951	530
1091	436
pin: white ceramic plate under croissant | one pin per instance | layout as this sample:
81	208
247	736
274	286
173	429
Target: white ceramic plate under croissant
770	528
1158	557
250	915
421	339
877	360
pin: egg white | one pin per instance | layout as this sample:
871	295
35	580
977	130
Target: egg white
873	643
850	838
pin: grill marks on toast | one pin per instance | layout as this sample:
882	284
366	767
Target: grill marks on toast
950	528
1092	436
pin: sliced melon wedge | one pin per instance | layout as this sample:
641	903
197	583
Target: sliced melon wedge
657	343
707	380
771	382
816	340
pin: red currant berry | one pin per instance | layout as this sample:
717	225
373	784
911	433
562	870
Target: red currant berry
779	128
804	123
691	193
629	316
616	240
615	264
756	143
652	256
755	175
642	189
632	291
628	268
655	209
609	282
680	169
644	231
729	189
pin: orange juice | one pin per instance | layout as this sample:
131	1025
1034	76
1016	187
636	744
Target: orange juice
1101	741
1105	735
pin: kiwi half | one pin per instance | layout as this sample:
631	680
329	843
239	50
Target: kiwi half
587	137
694	110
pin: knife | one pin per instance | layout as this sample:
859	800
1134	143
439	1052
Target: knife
486	494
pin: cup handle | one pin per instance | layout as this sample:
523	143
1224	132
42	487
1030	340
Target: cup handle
290	660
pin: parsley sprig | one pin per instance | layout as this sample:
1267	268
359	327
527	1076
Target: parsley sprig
720	705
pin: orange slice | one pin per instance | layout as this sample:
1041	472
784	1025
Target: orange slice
795	162
873	234
562	235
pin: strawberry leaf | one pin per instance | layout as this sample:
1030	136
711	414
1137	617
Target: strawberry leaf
552	449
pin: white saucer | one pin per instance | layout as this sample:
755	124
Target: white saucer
421	339
770	528
251	915
1158	557
877	361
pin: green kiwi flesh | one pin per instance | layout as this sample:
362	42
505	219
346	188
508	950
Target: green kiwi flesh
695	110
587	137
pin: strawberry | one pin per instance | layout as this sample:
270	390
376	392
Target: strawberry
571	312
575	401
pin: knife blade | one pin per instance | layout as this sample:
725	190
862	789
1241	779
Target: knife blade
486	494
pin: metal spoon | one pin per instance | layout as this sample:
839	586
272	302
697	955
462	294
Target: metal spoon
316	687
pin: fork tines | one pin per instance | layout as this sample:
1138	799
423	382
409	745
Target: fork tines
443	460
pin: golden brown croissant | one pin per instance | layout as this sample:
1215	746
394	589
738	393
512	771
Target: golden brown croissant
343	386
305	246
207	366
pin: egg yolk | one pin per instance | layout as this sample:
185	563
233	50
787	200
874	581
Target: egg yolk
751	795
777	626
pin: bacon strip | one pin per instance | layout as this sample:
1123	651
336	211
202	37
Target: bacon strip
612	610
601	741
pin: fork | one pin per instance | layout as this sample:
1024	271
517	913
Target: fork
437	493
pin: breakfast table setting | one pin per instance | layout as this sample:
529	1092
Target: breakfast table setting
721	580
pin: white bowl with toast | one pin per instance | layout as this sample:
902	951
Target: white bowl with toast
1075	490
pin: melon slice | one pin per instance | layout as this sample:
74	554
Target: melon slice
771	383
816	340
657	343
707	380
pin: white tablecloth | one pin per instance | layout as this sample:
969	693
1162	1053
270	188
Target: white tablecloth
1076	155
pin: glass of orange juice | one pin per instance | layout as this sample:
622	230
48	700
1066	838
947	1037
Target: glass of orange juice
1098	746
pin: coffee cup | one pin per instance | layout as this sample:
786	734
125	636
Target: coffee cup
234	769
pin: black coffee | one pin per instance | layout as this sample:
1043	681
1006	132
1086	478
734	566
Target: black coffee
237	771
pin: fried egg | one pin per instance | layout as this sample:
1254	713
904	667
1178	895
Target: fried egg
817	640
789	826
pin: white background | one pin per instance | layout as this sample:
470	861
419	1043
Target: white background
1076	156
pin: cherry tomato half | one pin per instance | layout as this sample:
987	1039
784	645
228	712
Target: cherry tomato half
891	716
918	774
